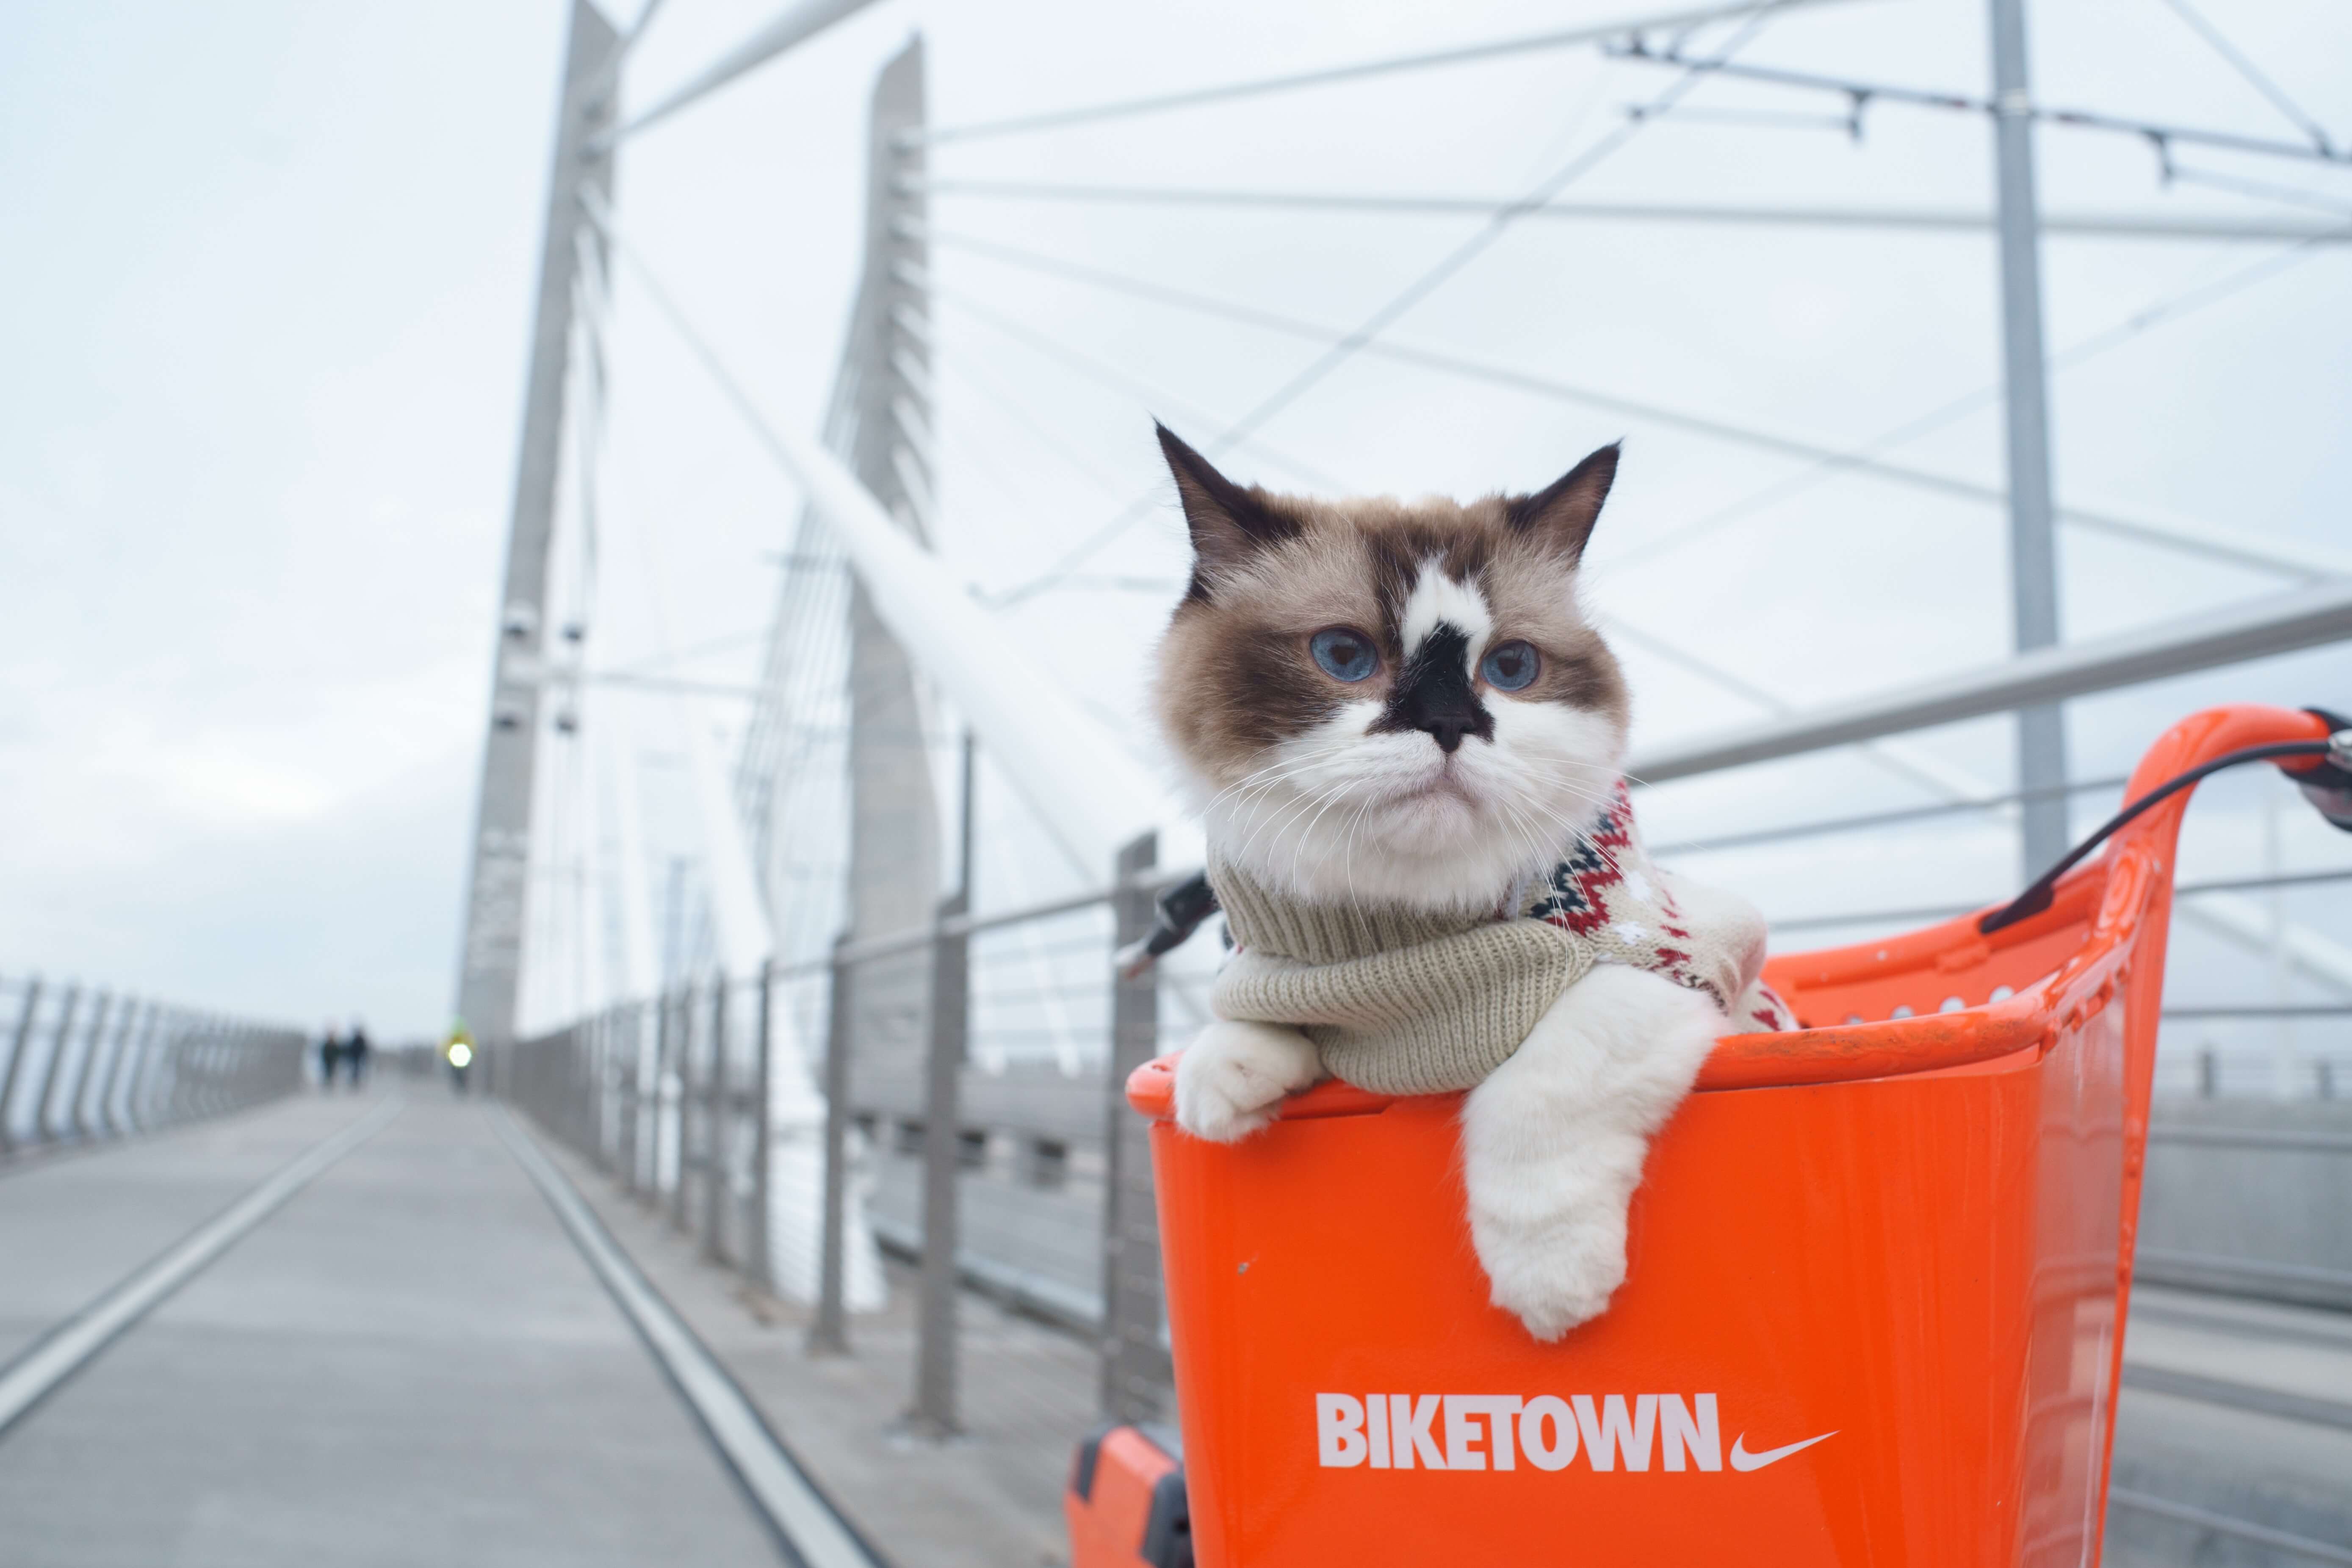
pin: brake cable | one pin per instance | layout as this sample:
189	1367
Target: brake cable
2327	785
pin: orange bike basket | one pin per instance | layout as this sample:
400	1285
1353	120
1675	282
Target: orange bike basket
1878	1273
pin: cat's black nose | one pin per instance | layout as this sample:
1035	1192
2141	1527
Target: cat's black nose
1449	731
1433	694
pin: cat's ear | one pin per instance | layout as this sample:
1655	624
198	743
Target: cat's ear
1228	523
1564	512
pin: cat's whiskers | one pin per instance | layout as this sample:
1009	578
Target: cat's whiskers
1348	853
1250	800
1287	767
1293	811
1299	849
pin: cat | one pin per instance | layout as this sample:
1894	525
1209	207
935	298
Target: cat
1403	730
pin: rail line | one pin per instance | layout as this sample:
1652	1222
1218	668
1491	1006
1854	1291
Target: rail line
74	1343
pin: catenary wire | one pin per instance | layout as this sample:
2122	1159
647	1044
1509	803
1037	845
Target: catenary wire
2261	190
1339	353
1810	452
2146	226
2254	75
2168	310
1109	375
2160	135
1191	97
1478	243
998	393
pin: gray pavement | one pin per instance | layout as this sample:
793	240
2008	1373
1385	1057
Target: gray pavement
408	1363
2240	1408
989	1498
71	1224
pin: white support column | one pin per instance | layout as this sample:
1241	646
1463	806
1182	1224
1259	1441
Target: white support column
489	964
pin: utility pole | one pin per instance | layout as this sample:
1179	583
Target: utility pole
2032	544
490	962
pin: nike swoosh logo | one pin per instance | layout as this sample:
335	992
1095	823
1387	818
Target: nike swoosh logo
1741	1459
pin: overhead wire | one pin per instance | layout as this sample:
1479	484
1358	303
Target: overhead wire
2158	134
1904	759
2262	190
1110	375
2203	541
999	395
1404	299
2151	225
1228	93
959	440
1603	73
2171	309
2259	78
1759	119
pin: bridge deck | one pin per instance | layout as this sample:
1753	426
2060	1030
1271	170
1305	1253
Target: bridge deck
411	1361
408	1362
989	1498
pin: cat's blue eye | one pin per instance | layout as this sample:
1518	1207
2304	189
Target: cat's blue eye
1344	653
1510	666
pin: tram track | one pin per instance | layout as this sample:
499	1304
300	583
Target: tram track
51	1359
801	1524
808	1528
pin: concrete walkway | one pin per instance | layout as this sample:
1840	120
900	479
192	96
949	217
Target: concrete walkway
408	1363
991	1498
2240	1409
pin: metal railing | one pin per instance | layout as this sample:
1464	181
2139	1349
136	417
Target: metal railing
1025	1179
670	1096
81	1064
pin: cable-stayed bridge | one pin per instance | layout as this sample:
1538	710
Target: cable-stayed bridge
807	1218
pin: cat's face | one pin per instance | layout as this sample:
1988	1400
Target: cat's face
1386	703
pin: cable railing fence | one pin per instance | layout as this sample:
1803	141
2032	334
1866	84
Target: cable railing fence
976	1131
82	1064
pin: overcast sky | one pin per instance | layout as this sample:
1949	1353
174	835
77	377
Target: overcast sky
261	350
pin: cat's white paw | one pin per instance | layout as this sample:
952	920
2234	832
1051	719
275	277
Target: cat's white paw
1233	1075
1562	1277
1553	1140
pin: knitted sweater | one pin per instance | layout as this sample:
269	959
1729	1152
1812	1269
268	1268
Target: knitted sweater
1402	1001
